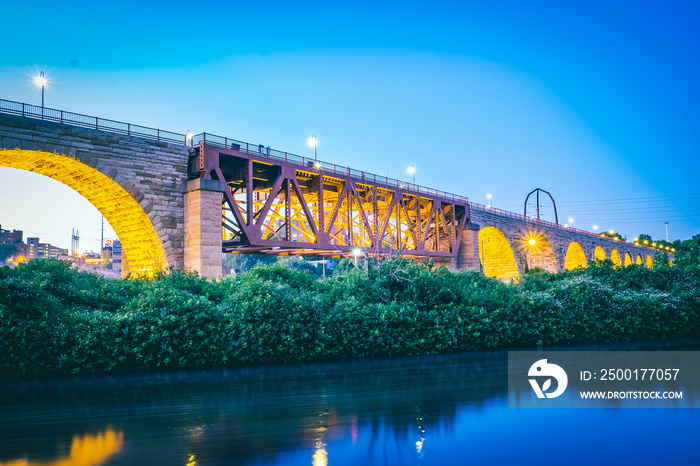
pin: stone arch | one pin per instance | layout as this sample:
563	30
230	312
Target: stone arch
540	254
141	243
639	260
615	258
496	255
599	253
649	263
575	257
628	259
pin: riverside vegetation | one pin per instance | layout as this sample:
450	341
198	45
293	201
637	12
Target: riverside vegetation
55	320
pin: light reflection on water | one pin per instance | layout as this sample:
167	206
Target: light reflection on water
448	409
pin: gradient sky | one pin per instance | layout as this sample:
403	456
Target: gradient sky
596	102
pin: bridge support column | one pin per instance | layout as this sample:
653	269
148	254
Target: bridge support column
203	200
468	254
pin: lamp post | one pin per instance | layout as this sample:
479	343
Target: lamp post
356	252
489	196
666	224
41	81
411	170
313	142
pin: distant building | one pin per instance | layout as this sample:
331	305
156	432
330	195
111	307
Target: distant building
37	250
117	256
11	237
15	237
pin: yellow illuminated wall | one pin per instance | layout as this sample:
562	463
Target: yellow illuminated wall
628	259
140	242
639	259
496	255
540	254
615	257
599	254
649	262
575	257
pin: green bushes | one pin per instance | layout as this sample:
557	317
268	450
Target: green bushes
55	320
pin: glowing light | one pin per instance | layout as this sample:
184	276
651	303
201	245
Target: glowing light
612	232
189	136
532	242
595	227
653	244
318	165
411	170
40	80
86	450
312	142
673	250
571	220
489	196
140	242
646	241
357	252
320	458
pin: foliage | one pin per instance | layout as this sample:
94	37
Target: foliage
55	320
7	250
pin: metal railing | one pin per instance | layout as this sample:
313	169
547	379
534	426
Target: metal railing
311	164
85	121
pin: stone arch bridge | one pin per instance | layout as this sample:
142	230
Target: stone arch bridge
179	200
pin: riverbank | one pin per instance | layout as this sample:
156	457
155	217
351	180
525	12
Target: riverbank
55	320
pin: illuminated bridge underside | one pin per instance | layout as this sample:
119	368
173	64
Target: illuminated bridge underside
281	208
141	245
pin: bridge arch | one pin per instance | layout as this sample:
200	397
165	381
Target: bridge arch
639	260
628	259
615	258
575	257
496	255
599	253
539	252
649	263
141	243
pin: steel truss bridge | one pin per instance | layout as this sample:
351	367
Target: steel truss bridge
281	203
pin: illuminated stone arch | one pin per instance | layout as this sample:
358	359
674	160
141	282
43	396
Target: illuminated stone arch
575	257
649	263
628	259
141	244
615	258
496	255
540	254
599	253
639	260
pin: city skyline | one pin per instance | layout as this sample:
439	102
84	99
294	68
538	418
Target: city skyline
595	105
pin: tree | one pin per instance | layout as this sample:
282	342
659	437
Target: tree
7	250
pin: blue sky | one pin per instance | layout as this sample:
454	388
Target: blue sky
592	101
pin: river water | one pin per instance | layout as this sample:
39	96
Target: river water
434	410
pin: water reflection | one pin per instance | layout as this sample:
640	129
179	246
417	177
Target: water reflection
85	450
428	410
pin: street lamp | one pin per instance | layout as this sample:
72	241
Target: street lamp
411	170
595	228
41	81
356	252
489	196
313	142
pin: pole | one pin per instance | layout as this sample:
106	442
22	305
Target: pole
102	238
666	223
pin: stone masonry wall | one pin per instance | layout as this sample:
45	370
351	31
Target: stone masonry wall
153	173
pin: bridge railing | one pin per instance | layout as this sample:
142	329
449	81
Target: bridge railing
85	121
311	164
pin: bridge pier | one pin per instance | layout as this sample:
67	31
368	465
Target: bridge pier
203	242
468	253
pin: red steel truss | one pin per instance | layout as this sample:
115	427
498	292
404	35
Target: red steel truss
281	207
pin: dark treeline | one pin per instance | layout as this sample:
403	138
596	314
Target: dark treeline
55	320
